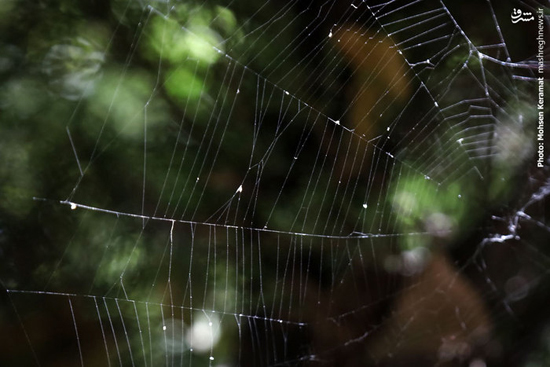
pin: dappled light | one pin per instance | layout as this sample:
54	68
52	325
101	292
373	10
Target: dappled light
267	183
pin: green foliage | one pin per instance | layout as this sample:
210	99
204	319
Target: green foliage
111	104
418	210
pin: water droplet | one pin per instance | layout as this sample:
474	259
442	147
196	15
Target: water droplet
73	206
163	327
365	206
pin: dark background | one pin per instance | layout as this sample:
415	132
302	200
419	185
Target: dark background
90	76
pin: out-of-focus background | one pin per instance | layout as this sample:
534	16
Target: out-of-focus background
270	183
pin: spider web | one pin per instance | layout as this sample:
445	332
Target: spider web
318	183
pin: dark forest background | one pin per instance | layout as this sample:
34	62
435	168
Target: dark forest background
83	76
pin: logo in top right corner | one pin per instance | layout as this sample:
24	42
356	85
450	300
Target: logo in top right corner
520	16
